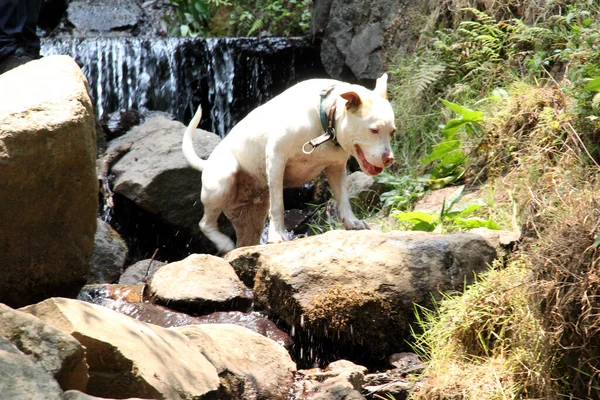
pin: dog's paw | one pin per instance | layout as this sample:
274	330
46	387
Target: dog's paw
277	237
355	224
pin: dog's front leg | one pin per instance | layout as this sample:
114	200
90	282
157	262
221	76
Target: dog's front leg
275	172
336	176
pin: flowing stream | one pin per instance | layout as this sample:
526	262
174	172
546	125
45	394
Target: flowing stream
227	76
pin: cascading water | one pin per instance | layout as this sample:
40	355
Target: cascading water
227	76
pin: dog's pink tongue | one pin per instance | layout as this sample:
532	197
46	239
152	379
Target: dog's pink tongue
373	170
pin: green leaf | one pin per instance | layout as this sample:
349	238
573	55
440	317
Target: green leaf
596	242
414	216
472	223
453	198
593	85
441	150
449	165
423	227
465	113
185	30
452	126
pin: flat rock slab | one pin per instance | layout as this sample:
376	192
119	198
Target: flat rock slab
200	284
253	366
356	289
128	358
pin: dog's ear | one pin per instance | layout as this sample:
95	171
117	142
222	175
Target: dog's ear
381	86
353	100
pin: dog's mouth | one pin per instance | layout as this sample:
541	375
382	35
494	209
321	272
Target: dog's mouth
366	166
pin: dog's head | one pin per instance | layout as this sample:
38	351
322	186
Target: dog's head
367	126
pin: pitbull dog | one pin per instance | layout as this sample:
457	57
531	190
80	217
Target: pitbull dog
313	126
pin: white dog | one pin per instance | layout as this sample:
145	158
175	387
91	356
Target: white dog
313	126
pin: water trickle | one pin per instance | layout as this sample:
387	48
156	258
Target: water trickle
227	76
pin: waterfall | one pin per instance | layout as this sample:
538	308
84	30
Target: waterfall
227	76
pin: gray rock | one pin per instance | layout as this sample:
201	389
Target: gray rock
155	175
364	187
53	350
110	253
356	34
201	283
141	271
49	190
22	378
103	16
357	288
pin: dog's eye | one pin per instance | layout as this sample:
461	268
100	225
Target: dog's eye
375	131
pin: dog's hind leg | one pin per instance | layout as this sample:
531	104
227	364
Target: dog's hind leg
336	176
249	220
218	191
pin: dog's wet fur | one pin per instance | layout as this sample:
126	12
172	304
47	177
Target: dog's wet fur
245	175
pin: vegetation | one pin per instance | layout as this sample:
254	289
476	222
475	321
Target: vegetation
240	18
520	81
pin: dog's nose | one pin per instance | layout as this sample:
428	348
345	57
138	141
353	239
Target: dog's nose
388	159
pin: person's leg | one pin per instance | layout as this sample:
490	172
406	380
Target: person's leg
19	42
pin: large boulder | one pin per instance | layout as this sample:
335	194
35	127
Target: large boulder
356	34
21	378
156	177
128	358
55	351
49	186
251	365
201	284
356	289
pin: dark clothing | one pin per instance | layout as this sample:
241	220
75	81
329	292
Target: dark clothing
18	28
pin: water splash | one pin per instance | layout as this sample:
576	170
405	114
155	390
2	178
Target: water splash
227	76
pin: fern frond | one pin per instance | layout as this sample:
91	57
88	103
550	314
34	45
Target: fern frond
257	25
426	76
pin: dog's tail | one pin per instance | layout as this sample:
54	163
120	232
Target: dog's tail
188	142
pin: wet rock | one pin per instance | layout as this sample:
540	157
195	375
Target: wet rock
141	271
96	293
341	380
110	253
22	378
253	321
201	283
106	16
77	395
353	291
155	175
53	350
128	358
251	365
47	157
120	122
167	318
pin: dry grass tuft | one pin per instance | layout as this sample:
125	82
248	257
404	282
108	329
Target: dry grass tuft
566	265
486	344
